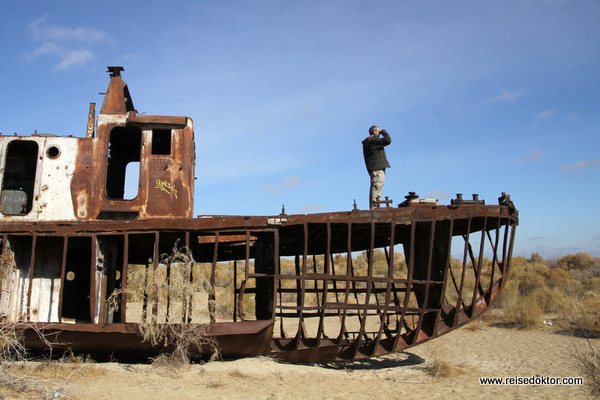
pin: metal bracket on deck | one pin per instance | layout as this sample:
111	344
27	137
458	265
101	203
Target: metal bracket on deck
387	201
460	201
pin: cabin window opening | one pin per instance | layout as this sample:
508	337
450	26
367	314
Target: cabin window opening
123	166
53	152
132	180
18	182
161	142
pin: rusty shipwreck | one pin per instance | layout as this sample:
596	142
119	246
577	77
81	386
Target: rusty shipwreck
86	263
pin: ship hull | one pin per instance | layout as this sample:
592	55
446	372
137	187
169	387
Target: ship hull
304	288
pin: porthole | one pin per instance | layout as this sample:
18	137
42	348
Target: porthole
53	152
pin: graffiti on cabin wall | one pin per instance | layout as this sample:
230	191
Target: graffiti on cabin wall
167	187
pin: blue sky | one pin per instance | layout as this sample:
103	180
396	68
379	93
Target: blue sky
479	97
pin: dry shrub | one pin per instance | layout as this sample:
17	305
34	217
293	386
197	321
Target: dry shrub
524	315
592	284
180	342
172	296
581	315
580	261
556	277
571	289
528	281
20	376
589	365
522	312
440	366
534	289
548	300
11	344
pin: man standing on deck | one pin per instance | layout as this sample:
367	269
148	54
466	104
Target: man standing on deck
376	161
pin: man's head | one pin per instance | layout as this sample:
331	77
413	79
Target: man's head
374	130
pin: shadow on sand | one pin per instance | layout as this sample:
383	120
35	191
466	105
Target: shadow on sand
403	359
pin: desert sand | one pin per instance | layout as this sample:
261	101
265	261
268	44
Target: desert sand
478	350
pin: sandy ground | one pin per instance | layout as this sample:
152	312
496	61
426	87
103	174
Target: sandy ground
470	353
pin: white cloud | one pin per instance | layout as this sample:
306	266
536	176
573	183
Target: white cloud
534	155
580	165
572	117
511	96
536	238
46	48
72	46
50	33
548	114
68	57
285	185
75	58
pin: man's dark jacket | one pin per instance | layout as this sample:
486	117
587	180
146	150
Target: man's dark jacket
374	152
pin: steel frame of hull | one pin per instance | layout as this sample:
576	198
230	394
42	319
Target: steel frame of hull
305	288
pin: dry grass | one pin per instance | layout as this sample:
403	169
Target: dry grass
581	314
20	376
475	326
589	365
583	320
237	374
212	384
440	367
